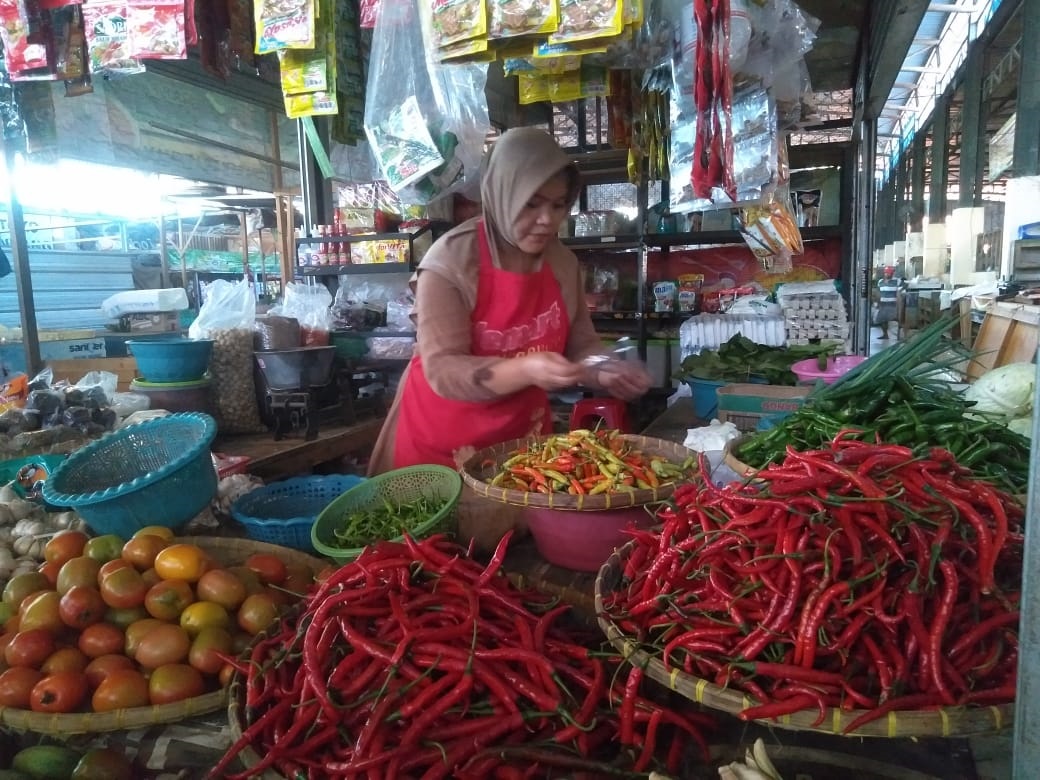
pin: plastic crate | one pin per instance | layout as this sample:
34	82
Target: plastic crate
746	405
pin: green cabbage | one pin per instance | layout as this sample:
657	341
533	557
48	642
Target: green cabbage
1022	425
1006	391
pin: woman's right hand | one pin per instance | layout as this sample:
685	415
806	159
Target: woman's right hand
551	370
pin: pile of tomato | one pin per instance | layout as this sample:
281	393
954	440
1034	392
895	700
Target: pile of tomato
108	624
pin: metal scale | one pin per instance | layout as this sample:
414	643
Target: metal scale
298	390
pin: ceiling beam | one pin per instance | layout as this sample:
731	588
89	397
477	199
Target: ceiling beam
898	23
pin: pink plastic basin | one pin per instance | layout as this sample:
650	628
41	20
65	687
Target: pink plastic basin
582	540
809	370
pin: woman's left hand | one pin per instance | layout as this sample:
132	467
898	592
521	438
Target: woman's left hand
624	379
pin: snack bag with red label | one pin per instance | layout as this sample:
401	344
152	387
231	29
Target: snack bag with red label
284	24
156	29
20	52
104	24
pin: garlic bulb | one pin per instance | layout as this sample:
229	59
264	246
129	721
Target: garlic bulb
28	546
64	519
29	527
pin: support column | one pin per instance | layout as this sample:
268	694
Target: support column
22	272
972	134
1026	160
940	178
917	158
897	229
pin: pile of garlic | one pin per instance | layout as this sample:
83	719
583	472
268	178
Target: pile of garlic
25	528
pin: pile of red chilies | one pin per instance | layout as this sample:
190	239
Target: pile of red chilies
416	661
857	576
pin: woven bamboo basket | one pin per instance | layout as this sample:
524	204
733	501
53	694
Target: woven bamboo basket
938	722
235	701
479	468
228	552
731	460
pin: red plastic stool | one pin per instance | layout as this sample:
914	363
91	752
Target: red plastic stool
589	411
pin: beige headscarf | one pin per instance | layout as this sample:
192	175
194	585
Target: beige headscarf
519	163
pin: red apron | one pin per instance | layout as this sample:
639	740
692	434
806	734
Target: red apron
515	313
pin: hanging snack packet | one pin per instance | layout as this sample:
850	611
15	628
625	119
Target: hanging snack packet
311	104
303	70
534	88
581	20
403	145
458	20
521	17
20	54
156	29
108	39
284	24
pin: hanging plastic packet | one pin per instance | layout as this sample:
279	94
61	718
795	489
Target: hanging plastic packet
21	53
156	29
581	20
588	82
284	24
533	88
311	104
771	232
303	70
108	39
509	18
458	20
403	146
546	50
475	50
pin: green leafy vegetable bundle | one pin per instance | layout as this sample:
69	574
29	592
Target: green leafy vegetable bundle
740	360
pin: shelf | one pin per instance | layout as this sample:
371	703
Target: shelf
354	268
623	316
360	238
710	237
367	334
626	242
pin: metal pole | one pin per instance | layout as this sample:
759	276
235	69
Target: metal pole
23	274
1025	753
1026	160
164	258
940	161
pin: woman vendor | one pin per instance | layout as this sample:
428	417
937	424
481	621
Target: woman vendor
500	317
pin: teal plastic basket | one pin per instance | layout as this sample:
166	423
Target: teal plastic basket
283	512
397	486
157	472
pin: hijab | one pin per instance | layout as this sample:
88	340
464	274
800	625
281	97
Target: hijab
519	163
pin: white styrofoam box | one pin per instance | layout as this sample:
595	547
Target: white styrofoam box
144	302
72	348
710	331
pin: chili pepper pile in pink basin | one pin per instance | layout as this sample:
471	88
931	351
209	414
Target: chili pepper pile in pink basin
857	576
415	661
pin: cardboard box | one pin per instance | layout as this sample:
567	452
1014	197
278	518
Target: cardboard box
155	322
72	349
745	405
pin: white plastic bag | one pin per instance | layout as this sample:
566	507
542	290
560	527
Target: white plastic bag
309	305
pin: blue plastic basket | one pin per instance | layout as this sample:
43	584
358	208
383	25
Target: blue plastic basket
283	512
157	472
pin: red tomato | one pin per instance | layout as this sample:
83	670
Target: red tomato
269	568
164	644
175	682
123	589
207	647
78	571
16	686
41	610
59	692
166	599
66	659
102	666
51	570
112	566
221	587
103	764
257	613
122	689
81	606
142	549
137	631
29	648
101	639
64	546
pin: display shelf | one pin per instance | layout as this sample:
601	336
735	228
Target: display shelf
354	268
618	242
711	237
361	237
613	316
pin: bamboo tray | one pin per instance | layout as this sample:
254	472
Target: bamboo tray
228	552
478	469
938	722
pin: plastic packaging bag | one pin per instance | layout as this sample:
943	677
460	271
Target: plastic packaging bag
227	317
309	305
426	122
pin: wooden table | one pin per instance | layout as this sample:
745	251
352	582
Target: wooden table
292	456
525	565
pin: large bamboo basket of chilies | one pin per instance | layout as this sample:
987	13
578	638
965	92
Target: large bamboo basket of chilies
579	470
857	589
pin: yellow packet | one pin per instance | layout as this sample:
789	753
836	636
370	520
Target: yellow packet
564	87
632	12
546	50
534	88
282	26
303	70
454	52
457	20
509	18
311	104
581	20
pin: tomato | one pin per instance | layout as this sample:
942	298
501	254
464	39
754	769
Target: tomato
164	644
280	598
205	647
103	764
142	549
29	648
16	686
59	692
66	659
240	640
101	639
124	617
248	578
123	588
102	666
5	640
122	689
182	562
221	587
81	606
137	631
204	614
21	585
50	570
156	530
64	546
150	577
41	610
299	579
269	568
257	613
167	599
175	682
227	672
105	548
324	573
78	571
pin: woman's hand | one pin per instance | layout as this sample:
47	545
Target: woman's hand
624	379
551	370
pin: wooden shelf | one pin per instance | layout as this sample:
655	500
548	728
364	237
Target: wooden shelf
354	268
620	242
